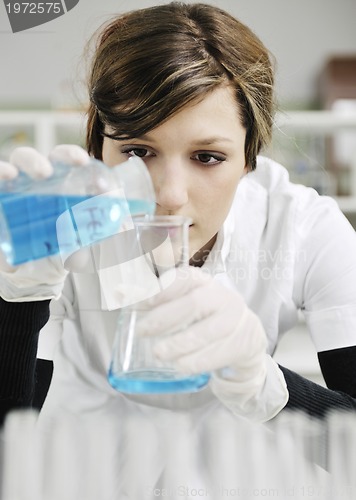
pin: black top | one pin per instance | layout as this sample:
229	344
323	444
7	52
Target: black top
20	323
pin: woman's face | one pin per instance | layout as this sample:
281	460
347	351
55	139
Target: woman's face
196	159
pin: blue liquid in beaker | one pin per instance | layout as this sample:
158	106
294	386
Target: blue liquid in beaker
156	381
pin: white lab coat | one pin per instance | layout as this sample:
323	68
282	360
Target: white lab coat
282	246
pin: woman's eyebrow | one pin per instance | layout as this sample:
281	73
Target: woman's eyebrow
203	141
211	140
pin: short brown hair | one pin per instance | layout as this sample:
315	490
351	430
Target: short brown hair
151	62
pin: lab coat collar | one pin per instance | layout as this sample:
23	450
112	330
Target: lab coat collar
244	223
215	263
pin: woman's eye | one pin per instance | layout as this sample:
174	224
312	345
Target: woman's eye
209	158
140	152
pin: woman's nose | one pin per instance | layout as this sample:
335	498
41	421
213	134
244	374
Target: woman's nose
171	189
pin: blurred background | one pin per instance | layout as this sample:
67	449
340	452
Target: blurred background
43	99
39	66
314	44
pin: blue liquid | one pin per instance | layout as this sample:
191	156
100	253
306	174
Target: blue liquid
156	382
28	228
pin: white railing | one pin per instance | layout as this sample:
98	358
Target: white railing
46	123
316	121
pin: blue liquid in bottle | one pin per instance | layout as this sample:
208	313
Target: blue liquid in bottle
156	381
28	222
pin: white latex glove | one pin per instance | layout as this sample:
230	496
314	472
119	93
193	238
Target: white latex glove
44	278
217	333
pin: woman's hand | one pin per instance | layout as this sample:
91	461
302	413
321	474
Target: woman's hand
215	332
44	278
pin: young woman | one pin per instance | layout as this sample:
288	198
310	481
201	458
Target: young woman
189	89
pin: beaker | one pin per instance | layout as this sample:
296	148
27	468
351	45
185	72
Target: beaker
159	247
